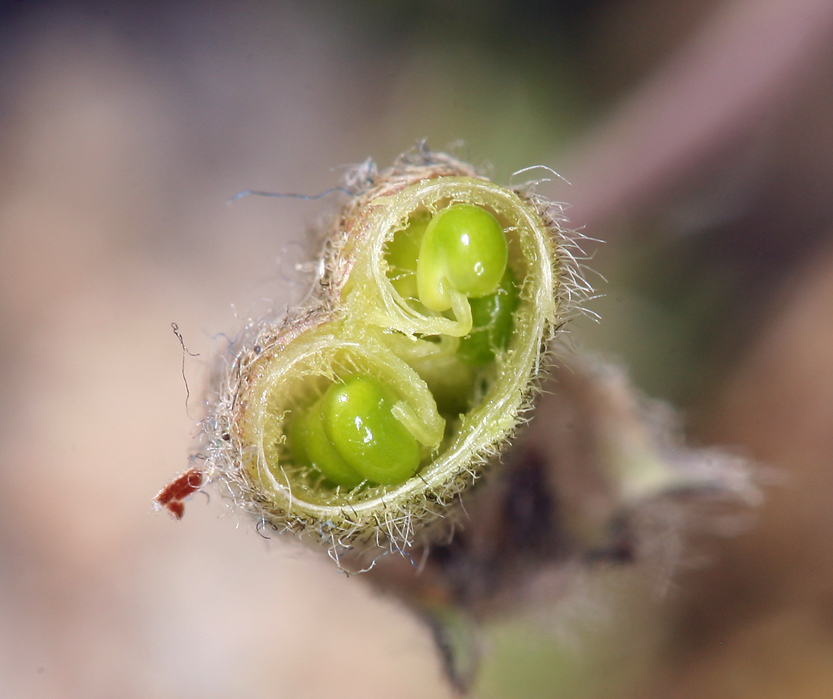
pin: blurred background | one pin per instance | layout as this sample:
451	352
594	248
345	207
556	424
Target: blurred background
698	140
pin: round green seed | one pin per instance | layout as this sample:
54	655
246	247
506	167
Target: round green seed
492	323
358	420
463	249
403	253
311	446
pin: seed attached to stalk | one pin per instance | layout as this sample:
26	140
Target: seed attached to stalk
463	250
352	436
359	421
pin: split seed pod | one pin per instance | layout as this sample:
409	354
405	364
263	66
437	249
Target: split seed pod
359	418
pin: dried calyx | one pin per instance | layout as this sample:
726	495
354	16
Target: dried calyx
361	417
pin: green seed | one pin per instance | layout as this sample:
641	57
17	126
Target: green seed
492	322
402	256
311	446
463	249
358	420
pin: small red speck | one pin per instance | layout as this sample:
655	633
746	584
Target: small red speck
172	495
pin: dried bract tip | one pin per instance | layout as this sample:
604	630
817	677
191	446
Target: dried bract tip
171	497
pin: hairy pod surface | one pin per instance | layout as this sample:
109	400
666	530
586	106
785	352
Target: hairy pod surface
359	418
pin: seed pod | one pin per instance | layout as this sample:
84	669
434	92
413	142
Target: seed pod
359	418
